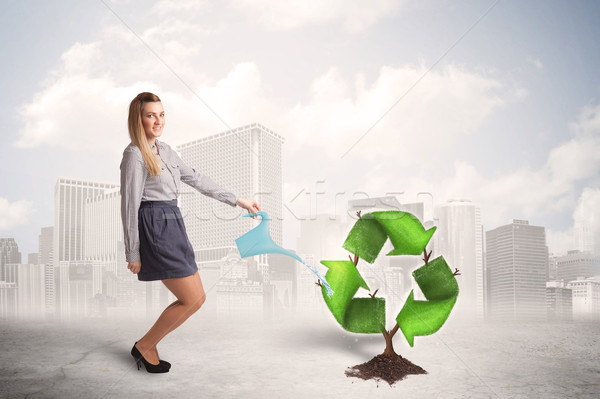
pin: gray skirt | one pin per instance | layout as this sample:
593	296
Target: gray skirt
165	250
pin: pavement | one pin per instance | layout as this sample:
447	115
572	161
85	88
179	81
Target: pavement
295	357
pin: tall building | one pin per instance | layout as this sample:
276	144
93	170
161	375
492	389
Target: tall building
45	257
559	304
460	239
517	271
103	228
30	289
246	161
577	264
586	298
9	253
45	243
70	197
8	300
586	231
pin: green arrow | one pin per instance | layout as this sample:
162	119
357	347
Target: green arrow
438	284
358	315
370	232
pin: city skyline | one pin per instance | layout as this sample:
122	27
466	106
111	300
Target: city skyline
413	97
87	244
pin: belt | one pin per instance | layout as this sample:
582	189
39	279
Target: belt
159	204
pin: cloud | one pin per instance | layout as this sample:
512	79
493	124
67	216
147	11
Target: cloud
447	104
587	123
84	102
13	214
535	62
286	15
176	6
579	158
533	193
84	106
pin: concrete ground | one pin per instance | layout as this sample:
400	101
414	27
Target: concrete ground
290	357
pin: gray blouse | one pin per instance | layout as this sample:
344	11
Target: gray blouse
137	185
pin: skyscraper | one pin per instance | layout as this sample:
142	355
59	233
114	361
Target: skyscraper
517	271
45	257
69	228
460	238
9	253
103	226
69	217
45	243
246	161
586	228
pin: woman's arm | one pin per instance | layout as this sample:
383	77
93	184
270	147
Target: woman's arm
204	184
208	187
133	176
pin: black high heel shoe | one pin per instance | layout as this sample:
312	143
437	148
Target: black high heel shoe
161	361
151	368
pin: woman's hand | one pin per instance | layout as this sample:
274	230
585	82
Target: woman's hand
134	266
250	205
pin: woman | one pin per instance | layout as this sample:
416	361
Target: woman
156	243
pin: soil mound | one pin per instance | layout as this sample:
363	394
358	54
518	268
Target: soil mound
390	368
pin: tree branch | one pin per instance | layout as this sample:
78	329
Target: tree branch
426	255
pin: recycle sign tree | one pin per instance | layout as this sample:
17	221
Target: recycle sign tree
366	315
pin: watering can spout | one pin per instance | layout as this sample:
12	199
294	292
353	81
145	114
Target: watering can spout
258	241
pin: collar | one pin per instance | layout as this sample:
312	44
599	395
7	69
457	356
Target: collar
160	144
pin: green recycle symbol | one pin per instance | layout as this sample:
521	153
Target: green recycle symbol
367	315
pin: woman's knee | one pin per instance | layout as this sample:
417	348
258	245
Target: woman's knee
197	302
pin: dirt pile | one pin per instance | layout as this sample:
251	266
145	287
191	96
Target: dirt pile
390	368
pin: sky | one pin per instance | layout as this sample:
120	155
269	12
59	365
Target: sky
493	101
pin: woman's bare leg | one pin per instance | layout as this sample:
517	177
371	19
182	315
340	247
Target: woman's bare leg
190	297
168	307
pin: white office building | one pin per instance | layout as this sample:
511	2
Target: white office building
460	238
30	281
103	227
586	298
45	257
70	197
247	162
517	271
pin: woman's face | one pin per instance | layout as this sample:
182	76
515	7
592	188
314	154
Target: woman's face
153	119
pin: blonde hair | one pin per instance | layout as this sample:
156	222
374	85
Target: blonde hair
136	130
